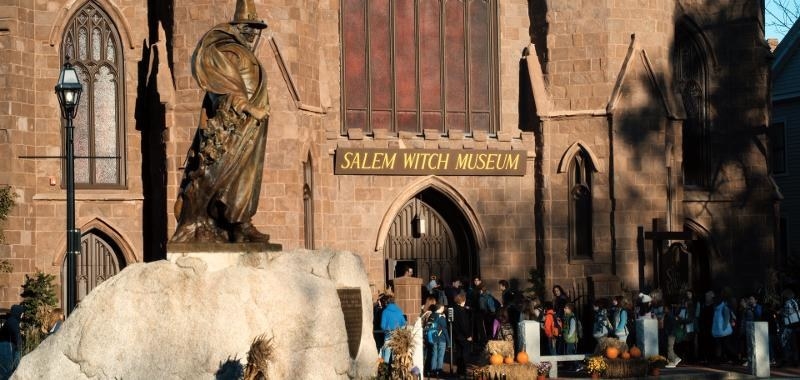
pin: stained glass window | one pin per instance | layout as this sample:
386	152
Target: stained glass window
416	65
99	122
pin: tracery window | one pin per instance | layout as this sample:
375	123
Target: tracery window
690	74
92	45
580	207
415	65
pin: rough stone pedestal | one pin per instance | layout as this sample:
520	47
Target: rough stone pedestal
180	320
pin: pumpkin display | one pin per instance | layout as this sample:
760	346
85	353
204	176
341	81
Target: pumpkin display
636	352
509	360
522	357
626	355
612	352
496	359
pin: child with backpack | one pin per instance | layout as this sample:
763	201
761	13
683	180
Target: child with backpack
571	328
551	327
602	325
437	336
722	331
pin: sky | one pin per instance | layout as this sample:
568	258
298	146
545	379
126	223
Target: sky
772	32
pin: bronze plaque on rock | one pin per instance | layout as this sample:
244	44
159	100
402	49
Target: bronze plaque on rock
350	299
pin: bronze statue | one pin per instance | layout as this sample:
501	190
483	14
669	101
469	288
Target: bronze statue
222	179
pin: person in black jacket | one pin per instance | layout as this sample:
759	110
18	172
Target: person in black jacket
10	341
462	332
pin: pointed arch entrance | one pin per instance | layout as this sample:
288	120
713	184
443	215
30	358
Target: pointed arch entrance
432	234
701	251
100	258
687	265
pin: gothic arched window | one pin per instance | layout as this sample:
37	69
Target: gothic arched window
92	45
580	207
690	76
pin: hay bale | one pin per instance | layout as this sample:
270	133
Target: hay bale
502	347
622	368
515	371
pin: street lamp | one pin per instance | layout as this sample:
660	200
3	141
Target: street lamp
68	90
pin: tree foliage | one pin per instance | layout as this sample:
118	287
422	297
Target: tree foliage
39	299
7	202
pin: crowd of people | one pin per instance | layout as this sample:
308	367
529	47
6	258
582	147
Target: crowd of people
712	330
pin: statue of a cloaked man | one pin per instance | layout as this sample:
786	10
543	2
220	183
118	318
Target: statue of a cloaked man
222	180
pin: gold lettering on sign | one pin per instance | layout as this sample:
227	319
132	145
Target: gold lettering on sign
428	162
368	160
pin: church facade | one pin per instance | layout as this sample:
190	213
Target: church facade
611	144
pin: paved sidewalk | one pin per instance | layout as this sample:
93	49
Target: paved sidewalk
716	372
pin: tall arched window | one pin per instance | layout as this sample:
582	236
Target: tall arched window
690	76
308	204
580	207
92	45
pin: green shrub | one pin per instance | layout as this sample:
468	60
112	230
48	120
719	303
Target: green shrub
39	299
7	202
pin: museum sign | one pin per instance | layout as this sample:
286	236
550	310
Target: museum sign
429	162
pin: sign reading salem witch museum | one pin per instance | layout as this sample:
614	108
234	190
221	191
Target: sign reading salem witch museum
429	162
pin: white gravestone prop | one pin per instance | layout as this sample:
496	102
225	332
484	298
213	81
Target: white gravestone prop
759	336
647	336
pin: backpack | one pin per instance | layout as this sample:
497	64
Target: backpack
568	336
791	313
434	329
431	329
721	324
600	328
504	332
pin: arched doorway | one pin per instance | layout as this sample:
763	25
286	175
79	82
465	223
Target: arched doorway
687	265
100	258
431	234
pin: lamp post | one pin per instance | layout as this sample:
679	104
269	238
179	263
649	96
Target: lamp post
68	90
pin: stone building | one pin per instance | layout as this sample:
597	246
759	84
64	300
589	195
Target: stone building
606	143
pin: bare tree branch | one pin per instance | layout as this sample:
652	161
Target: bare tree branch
781	14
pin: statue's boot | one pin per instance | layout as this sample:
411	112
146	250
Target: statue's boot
246	232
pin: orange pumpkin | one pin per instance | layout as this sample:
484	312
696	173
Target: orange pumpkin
612	352
496	359
626	355
636	352
522	357
509	360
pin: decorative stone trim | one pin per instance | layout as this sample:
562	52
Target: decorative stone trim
355	133
432	134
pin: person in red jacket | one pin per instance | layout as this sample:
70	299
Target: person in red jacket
551	327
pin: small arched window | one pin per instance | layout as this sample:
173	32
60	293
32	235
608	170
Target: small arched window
92	45
308	203
580	206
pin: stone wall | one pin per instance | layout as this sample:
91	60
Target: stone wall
609	92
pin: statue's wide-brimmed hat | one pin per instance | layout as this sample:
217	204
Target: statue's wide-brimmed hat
246	14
